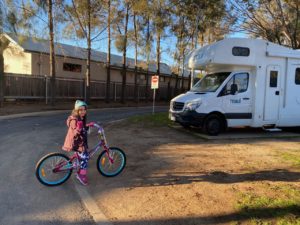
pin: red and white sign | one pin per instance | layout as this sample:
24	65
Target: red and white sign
154	82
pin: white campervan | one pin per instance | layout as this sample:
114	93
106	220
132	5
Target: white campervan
248	82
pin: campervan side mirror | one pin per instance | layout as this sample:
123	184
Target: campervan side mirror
233	89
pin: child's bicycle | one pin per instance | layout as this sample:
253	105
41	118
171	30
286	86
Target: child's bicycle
56	168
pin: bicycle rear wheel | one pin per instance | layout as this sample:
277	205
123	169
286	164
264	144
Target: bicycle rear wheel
108	169
53	169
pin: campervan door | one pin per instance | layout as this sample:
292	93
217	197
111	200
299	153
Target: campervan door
272	94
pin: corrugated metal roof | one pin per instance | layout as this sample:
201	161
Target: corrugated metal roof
41	45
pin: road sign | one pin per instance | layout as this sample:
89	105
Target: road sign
154	82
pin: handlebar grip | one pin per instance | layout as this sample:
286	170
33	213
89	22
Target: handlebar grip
96	125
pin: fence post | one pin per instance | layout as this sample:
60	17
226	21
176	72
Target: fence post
46	89
169	91
1	77
83	88
115	87
138	93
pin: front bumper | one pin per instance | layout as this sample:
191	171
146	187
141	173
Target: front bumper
191	118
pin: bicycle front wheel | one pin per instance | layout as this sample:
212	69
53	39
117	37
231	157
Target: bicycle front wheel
53	169
108	168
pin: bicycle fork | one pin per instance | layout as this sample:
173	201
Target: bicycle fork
108	154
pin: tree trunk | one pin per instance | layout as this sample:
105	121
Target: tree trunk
1	63
182	84
190	80
108	57
52	53
1	77
135	59
124	56
158	53
88	62
158	62
296	43
176	86
148	58
169	91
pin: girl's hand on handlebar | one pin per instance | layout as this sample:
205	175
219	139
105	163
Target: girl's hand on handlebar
91	124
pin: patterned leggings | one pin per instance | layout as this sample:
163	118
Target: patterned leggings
84	158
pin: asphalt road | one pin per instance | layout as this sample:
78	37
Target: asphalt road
23	141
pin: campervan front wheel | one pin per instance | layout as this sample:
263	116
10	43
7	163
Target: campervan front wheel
212	125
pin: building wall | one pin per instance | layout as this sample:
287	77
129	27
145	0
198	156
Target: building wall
19	62
40	66
16	61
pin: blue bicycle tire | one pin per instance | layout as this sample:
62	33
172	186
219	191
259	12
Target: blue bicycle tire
39	172
103	155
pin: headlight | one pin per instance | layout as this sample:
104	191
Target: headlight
193	105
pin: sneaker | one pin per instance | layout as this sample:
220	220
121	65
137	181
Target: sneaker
81	176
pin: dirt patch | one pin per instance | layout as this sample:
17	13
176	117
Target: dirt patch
174	178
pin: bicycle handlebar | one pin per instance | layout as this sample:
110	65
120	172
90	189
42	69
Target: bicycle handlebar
100	128
96	125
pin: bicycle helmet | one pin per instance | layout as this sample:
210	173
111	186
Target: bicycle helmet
80	103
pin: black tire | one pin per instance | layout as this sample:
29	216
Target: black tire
120	168
44	159
213	125
185	126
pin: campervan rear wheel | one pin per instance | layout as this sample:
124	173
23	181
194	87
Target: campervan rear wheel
213	125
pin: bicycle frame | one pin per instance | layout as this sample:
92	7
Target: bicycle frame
74	160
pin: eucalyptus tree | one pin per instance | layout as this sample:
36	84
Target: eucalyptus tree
274	20
146	30
12	20
121	39
161	20
85	20
193	22
108	58
47	6
135	38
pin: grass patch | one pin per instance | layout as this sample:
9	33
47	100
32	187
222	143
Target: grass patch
293	158
284	209
156	120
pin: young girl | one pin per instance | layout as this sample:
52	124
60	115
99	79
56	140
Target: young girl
76	139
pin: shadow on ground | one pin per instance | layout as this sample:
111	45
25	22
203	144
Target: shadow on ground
243	215
220	177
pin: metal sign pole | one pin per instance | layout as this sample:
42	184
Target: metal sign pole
153	111
154	85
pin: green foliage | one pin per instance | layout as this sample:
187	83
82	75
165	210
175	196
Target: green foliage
274	20
192	19
293	158
120	42
77	19
156	120
283	207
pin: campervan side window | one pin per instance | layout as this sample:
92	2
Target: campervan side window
241	80
72	67
297	76
273	78
240	51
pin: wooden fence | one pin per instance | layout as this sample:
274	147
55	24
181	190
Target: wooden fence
17	86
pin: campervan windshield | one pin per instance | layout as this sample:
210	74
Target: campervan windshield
211	82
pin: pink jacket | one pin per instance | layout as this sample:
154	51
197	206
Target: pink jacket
73	132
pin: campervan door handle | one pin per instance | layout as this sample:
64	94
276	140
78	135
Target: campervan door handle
246	98
276	92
